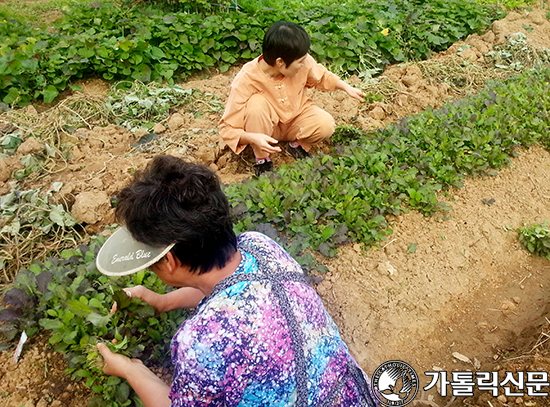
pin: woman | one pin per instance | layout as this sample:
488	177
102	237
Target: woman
260	335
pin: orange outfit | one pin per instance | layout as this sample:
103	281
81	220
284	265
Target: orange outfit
279	108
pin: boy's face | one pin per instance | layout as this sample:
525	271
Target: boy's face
293	68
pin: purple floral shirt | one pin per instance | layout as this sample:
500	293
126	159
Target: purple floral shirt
263	338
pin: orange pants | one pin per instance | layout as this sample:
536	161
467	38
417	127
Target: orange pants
311	126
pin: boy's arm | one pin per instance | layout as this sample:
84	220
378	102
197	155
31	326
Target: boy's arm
231	136
232	126
321	78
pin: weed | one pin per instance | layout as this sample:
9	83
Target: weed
536	239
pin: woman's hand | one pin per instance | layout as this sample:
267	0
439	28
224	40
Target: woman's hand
145	295
186	297
149	297
152	391
115	364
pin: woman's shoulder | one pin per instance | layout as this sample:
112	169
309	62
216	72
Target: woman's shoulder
267	253
257	240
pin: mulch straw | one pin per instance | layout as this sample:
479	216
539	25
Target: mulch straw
54	125
463	76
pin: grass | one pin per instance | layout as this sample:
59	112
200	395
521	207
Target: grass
255	5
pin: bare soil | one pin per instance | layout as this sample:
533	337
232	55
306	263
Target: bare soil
469	287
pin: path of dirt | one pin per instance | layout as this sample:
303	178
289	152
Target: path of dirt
469	287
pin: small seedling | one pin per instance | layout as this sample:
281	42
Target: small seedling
536	239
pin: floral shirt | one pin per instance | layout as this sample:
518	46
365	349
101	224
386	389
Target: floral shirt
263	338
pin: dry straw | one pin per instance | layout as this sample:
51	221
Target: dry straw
55	125
29	244
461	75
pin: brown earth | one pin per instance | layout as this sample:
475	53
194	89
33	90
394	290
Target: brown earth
469	287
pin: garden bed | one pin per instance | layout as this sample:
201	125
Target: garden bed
468	287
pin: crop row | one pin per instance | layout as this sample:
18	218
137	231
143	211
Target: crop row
150	45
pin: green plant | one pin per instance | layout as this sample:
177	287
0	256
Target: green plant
509	4
136	105
31	223
70	298
146	44
536	239
39	14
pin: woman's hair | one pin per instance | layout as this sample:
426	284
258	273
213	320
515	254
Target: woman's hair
173	201
285	40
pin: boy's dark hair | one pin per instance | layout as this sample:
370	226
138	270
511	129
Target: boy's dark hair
173	201
285	40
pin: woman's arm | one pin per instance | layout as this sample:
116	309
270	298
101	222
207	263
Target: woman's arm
152	391
186	297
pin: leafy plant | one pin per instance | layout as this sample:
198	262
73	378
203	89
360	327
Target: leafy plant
24	217
509	4
197	6
136	105
536	239
145	44
69	297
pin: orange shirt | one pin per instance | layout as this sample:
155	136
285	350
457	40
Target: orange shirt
287	96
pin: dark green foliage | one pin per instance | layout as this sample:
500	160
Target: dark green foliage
150	45
196	6
536	239
69	297
330	199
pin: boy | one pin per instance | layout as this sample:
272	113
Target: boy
268	103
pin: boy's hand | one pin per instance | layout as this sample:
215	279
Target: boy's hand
355	93
262	144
